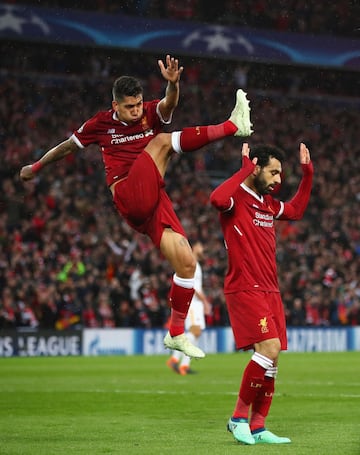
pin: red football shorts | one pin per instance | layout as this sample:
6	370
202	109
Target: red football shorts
256	316
143	202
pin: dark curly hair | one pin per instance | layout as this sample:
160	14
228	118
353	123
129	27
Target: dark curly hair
264	152
126	86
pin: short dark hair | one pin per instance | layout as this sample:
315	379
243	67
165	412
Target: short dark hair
126	86
264	152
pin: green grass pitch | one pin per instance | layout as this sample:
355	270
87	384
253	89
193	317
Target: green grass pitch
136	405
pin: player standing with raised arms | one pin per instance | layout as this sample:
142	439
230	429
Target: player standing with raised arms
247	215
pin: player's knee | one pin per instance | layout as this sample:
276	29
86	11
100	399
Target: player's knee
270	348
188	266
274	349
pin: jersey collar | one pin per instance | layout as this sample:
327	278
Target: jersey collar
253	194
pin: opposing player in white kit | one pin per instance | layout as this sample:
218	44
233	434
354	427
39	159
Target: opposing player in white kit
195	320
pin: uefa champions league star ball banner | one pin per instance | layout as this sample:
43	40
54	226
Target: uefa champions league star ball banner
34	24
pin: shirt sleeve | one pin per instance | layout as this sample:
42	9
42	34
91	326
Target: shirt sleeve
165	122
87	133
222	197
295	208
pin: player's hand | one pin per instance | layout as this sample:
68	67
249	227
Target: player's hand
304	154
171	72
26	173
245	152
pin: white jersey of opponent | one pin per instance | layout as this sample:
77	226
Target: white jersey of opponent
196	314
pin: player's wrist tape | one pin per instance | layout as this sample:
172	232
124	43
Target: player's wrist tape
36	167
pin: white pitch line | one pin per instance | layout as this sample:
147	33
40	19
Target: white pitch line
191	392
235	393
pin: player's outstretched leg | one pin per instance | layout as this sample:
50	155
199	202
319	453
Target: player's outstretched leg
195	137
181	343
264	436
240	115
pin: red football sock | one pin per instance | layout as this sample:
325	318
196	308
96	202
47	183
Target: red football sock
262	403
179	299
257	421
195	137
251	384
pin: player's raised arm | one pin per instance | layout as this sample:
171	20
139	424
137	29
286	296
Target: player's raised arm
171	73
295	208
58	152
221	197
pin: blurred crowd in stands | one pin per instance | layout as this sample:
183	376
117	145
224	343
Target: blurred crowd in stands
68	260
338	17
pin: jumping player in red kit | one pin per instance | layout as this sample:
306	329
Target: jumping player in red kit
247	215
136	155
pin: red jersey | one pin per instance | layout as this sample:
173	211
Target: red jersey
120	143
249	233
250	240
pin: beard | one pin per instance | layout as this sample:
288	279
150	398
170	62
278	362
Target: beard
262	186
